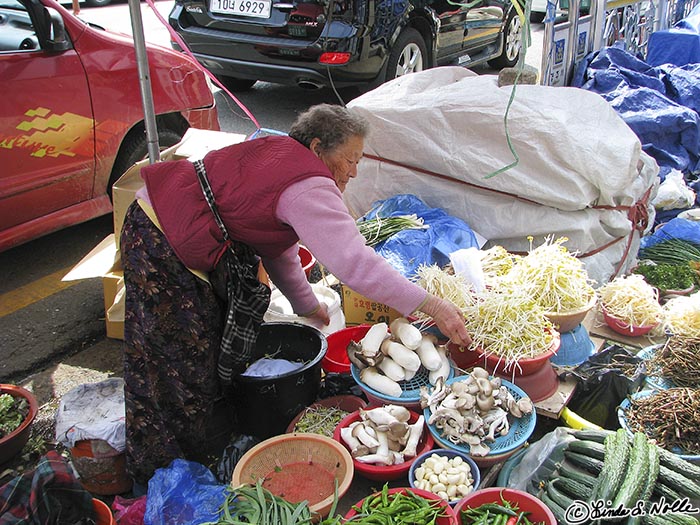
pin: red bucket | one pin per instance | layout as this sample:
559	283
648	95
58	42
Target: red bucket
307	260
336	359
102	468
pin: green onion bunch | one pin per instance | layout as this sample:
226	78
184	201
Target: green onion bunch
380	229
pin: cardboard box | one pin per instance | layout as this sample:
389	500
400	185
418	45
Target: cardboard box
360	310
103	261
113	290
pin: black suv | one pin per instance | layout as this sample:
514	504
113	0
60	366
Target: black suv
318	43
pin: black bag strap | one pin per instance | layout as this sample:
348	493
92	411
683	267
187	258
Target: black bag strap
209	197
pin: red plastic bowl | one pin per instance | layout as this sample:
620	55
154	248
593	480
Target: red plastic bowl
539	512
102	512
622	328
12	443
307	260
385	472
336	359
464	358
448	515
526	366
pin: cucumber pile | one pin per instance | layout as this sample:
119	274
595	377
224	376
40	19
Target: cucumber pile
606	465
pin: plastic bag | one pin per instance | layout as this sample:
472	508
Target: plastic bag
604	381
678	228
233	452
408	249
334	384
674	193
185	493
540	460
266	367
467	263
129	511
93	411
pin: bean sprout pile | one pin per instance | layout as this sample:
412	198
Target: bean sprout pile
554	277
631	300
682	316
507	322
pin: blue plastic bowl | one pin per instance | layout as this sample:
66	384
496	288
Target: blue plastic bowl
654	382
410	397
503	446
476	474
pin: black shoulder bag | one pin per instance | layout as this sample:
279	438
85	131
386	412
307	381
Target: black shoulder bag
247	297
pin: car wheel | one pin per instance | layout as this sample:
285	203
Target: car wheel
135	149
536	17
407	56
512	43
236	84
97	3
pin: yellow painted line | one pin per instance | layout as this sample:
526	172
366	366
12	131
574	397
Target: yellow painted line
33	292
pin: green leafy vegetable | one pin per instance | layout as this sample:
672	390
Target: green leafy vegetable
667	276
12	413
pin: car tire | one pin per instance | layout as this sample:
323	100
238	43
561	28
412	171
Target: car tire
408	55
135	149
512	43
97	3
236	84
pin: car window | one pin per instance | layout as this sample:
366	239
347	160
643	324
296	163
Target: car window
16	28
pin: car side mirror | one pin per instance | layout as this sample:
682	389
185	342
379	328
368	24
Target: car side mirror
57	39
50	29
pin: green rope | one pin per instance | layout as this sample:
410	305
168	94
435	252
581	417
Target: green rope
525	21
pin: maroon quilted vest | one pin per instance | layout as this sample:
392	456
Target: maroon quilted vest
247	180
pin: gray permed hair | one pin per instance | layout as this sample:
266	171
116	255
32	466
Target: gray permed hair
331	124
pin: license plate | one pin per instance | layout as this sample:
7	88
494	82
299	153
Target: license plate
255	8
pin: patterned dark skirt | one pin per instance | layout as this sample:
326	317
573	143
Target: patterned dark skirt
172	330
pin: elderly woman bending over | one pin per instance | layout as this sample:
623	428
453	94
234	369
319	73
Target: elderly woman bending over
270	193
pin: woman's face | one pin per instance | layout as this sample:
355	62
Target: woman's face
341	161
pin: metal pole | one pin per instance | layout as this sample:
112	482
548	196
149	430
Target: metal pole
573	16
144	81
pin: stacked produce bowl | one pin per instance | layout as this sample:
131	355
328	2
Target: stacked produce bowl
391	364
483	416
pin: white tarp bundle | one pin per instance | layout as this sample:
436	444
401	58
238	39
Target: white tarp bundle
580	168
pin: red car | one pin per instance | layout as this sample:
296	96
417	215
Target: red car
71	116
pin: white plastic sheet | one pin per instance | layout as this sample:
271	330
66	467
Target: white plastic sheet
575	154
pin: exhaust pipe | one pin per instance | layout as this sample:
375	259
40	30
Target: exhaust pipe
306	83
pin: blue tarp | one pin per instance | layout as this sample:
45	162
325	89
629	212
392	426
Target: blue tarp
660	104
679	45
408	249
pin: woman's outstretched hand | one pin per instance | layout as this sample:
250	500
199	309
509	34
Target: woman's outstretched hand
448	318
321	314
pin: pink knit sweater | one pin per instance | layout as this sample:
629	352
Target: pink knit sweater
314	208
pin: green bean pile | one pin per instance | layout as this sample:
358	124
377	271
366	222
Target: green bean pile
399	508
